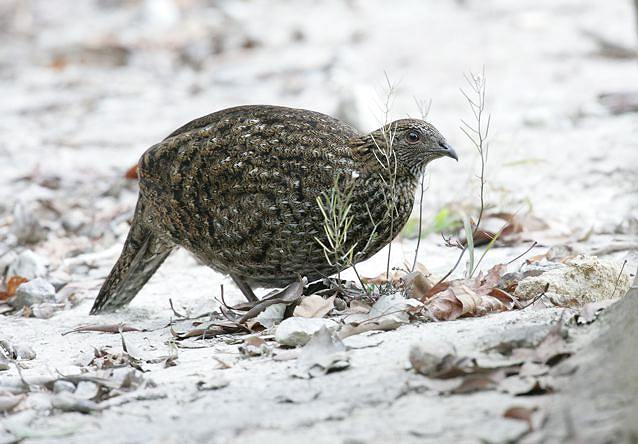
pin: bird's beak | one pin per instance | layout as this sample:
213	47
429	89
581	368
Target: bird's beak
448	151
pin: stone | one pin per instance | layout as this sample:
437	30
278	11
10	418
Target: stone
583	279
29	265
37	291
26	226
63	386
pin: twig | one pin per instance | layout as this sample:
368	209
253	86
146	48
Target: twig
537	298
621	246
618	278
523	253
418	241
478	136
175	312
447	275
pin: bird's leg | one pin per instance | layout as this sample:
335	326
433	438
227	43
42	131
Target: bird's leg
245	288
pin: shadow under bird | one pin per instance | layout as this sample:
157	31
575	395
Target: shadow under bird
239	189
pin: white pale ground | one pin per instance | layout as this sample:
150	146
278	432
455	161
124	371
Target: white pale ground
552	149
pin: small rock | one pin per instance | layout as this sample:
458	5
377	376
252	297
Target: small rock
74	220
86	390
583	279
26	226
509	281
6	260
24	352
63	386
28	265
37	291
46	310
560	252
68	403
296	331
426	358
214	383
10	351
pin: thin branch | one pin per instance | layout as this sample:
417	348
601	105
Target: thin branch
618	279
523	253
418	241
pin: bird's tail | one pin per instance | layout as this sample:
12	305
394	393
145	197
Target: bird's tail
141	256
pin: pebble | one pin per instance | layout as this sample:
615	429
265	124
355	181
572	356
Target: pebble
26	226
28	265
296	331
37	291
63	386
20	351
581	280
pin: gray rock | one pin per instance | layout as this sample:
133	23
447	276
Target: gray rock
26	226
63	386
297	331
28	265
24	352
6	260
37	291
584	279
11	351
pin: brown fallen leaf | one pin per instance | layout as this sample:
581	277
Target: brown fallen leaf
132	173
214	328
416	284
314	306
551	350
382	278
12	286
106	328
521	413
469	297
465	375
254	346
509	228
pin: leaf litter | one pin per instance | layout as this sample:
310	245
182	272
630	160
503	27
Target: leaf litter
525	373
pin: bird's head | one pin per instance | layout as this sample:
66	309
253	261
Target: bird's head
414	142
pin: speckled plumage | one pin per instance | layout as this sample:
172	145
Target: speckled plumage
238	189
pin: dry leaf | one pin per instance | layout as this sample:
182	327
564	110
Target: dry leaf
416	285
289	295
107	328
550	351
521	413
12	286
464	373
382	278
132	173
469	297
591	310
314	306
324	353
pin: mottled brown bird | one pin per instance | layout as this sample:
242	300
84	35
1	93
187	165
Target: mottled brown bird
239	189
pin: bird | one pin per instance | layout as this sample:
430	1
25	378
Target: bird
246	190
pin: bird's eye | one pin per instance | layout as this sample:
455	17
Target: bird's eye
412	137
